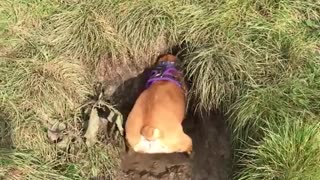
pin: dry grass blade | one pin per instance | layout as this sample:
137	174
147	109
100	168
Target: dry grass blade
93	127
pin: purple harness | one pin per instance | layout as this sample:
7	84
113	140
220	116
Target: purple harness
164	71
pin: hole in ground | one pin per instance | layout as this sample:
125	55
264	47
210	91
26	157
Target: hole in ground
212	147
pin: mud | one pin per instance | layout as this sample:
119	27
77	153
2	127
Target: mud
158	166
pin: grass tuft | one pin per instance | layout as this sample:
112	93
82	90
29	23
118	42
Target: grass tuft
295	97
83	31
26	165
290	151
222	66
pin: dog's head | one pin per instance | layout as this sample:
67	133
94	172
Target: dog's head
177	63
168	58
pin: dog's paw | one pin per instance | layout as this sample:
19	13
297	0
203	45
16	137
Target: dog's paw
190	151
190	154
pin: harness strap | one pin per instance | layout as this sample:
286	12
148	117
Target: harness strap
165	71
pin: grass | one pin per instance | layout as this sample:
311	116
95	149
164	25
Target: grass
287	152
256	60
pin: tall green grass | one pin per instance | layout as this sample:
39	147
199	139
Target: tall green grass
290	151
256	60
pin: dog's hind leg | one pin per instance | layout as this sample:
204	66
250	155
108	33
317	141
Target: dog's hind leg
133	127
185	144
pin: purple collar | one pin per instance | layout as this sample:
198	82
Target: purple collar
164	71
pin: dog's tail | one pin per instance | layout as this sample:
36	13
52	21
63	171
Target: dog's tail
150	133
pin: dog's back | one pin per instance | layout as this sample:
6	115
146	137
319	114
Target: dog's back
157	116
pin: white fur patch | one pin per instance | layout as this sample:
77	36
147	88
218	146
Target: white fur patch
155	146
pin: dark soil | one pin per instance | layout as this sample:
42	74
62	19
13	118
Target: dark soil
211	159
157	166
211	142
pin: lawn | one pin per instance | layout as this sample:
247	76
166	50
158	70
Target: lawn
257	61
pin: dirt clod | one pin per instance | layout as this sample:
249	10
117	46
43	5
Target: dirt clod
156	166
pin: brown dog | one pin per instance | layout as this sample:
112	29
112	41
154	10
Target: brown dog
155	123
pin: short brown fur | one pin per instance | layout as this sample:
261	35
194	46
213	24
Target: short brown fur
158	114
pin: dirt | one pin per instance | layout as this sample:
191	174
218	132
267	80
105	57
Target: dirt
157	166
212	149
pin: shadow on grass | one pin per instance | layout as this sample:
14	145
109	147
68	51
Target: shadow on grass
6	144
5	133
212	147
